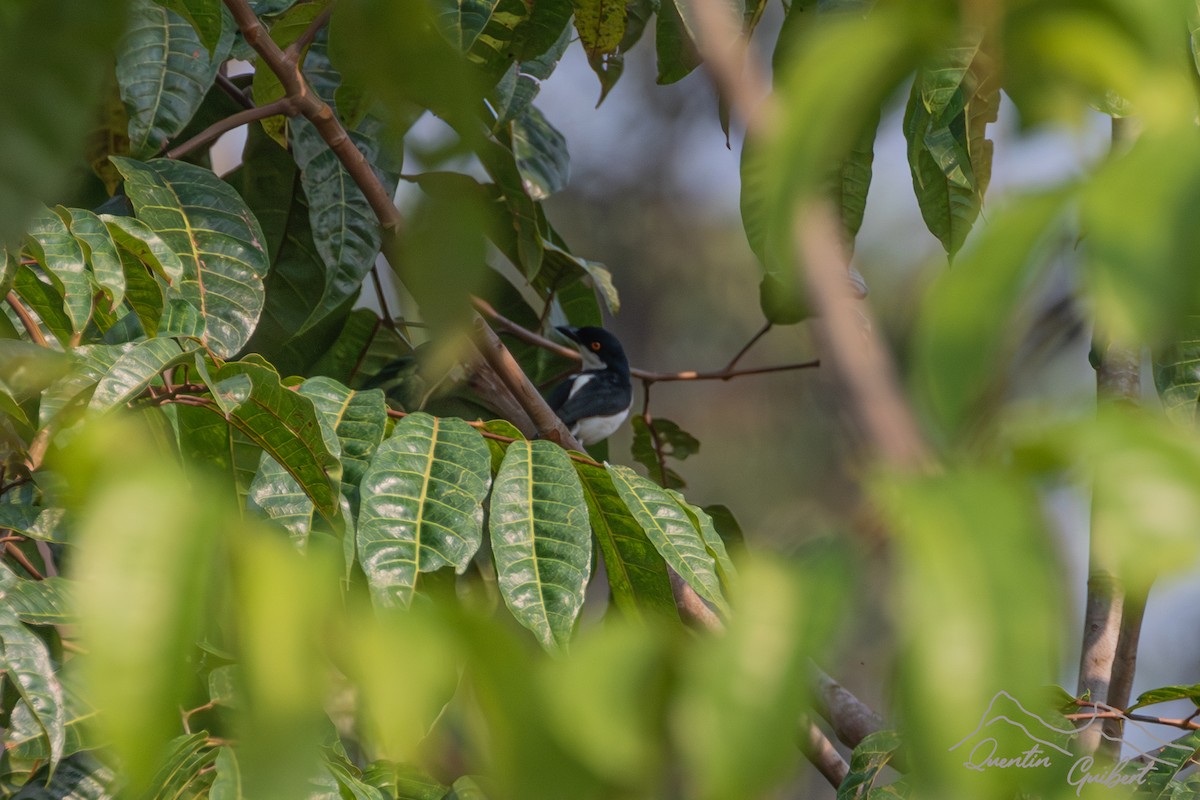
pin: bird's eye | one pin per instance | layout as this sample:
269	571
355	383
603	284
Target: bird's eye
595	345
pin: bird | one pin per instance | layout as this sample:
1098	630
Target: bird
593	403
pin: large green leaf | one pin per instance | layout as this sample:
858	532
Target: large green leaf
522	81
670	529
28	666
421	505
80	777
352	424
25	743
36	522
44	602
187	770
483	30
601	24
540	539
100	250
541	154
344	227
227	785
637	574
136	369
869	758
677	53
46	301
71	393
61	256
164	71
138	239
219	241
204	15
63	51
952	102
210	446
285	425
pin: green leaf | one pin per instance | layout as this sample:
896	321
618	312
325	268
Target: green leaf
522	81
1166	694
61	256
220	243
1168	762
45	301
187	770
540	539
136	369
72	392
500	163
138	239
80	777
36	522
854	179
870	756
26	369
421	504
541	154
204	16
25	743
670	530
712	540
675	443
64	52
601	24
637	574
677	54
285	425
951	103
164	71
210	445
100	250
404	781
344	227
483	30
227	785
30	670
44	602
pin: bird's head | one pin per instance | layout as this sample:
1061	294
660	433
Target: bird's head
598	347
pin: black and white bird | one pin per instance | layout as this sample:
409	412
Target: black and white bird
593	403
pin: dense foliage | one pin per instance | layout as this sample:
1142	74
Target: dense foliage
263	538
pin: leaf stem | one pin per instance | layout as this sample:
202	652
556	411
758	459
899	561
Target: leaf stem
27	321
283	105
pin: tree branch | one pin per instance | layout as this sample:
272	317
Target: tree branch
213	132
820	751
852	719
728	373
310	33
15	553
27	321
230	88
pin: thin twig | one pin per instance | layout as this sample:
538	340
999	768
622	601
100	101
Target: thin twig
733	362
388	320
230	88
213	132
529	337
655	439
297	47
27	321
15	553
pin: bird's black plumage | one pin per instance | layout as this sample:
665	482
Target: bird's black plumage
594	403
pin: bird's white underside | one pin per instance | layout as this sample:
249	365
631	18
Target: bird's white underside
595	429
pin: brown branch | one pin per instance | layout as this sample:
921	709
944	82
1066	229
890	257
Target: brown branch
655	439
820	751
728	373
213	132
27	321
733	362
316	111
852	719
385	313
547	423
15	553
296	48
860	357
230	88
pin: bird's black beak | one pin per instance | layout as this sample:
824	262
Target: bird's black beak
569	332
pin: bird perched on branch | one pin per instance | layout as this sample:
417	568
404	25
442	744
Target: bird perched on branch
593	403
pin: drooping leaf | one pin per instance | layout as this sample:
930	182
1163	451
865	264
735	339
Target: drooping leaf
27	664
285	425
100	250
227	785
713	542
951	104
187	769
1168	762
421	506
522	81
46	301
220	243
404	781
61	256
540	539
677	53
670	530
637	574
1177	374
541	154
1166	694
344	227
673	441
80	777
25	743
601	24
164	71
136	369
